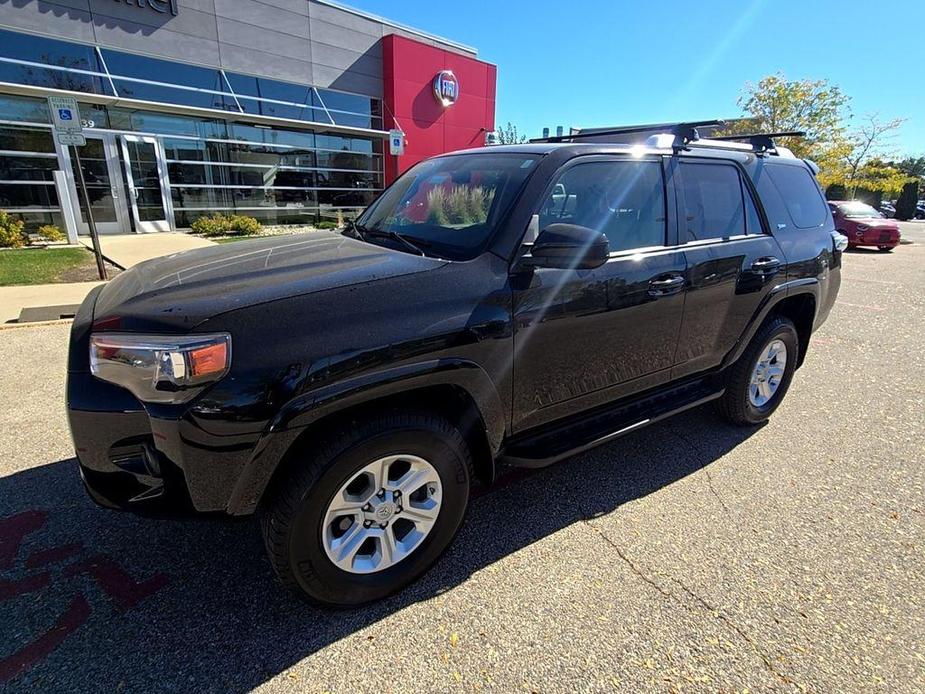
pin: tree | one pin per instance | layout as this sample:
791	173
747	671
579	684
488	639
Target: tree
510	136
861	157
776	104
854	160
906	204
912	166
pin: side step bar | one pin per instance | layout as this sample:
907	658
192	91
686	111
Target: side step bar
552	445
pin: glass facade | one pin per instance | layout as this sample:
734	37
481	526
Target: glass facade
27	163
222	163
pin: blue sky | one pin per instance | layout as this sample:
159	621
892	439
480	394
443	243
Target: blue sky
591	63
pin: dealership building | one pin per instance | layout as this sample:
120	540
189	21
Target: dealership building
277	109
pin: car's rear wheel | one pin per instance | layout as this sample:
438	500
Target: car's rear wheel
760	378
370	510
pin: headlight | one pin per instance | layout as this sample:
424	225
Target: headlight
160	369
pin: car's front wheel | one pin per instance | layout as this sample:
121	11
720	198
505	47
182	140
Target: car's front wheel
760	378
371	510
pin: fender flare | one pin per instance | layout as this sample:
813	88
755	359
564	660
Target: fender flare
783	291
308	408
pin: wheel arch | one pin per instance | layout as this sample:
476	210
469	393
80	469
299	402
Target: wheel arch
800	309
459	390
796	301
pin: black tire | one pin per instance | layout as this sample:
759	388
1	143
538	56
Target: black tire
292	517
735	405
885	249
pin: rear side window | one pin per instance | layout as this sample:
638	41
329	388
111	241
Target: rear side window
801	195
624	200
716	202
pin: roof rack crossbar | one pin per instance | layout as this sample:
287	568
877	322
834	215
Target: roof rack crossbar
760	142
683	131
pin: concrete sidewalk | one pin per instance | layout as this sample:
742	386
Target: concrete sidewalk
14	299
126	250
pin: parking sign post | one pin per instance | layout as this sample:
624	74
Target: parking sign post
69	131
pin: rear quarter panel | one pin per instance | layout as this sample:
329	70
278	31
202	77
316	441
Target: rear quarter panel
812	263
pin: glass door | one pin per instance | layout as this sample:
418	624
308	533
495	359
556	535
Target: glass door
99	162
146	177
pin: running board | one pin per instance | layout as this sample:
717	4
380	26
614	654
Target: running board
552	445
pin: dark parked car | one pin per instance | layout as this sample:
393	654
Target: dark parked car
888	209
864	226
510	305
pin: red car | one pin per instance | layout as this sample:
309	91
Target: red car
864	226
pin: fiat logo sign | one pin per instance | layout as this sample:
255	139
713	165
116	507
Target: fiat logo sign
446	88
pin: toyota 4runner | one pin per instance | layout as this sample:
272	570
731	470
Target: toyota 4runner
505	305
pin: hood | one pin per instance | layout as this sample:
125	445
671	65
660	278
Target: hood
177	292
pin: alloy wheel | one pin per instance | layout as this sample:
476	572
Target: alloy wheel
768	373
382	514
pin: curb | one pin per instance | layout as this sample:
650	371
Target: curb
36	324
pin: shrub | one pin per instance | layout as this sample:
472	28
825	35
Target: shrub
216	225
11	231
226	225
50	232
325	225
908	198
244	226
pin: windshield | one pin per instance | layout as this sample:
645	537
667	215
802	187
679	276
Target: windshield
858	209
450	206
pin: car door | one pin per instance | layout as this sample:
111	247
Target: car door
733	260
587	337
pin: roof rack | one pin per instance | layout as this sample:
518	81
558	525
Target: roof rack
760	142
684	132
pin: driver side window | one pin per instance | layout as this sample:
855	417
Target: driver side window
624	200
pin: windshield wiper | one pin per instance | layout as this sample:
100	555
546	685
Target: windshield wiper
392	236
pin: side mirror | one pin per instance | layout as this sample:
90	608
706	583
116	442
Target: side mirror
569	247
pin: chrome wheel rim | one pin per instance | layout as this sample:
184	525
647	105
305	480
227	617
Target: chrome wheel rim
768	373
382	514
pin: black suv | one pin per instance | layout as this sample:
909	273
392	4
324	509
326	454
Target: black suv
505	305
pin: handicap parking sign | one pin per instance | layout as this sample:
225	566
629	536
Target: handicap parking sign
396	142
65	114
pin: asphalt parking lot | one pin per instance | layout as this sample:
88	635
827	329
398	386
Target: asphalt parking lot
688	556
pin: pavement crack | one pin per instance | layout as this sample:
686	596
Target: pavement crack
728	621
716	494
635	569
698	600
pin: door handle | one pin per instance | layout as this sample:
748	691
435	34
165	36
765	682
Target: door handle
766	266
666	285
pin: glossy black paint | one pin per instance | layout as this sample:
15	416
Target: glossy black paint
322	324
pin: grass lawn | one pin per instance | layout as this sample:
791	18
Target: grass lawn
47	266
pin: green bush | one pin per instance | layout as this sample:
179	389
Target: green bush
220	224
11	231
325	225
905	205
50	232
245	226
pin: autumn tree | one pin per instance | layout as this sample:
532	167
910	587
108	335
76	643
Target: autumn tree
776	104
852	159
862	159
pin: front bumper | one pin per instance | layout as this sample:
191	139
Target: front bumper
886	238
119	463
